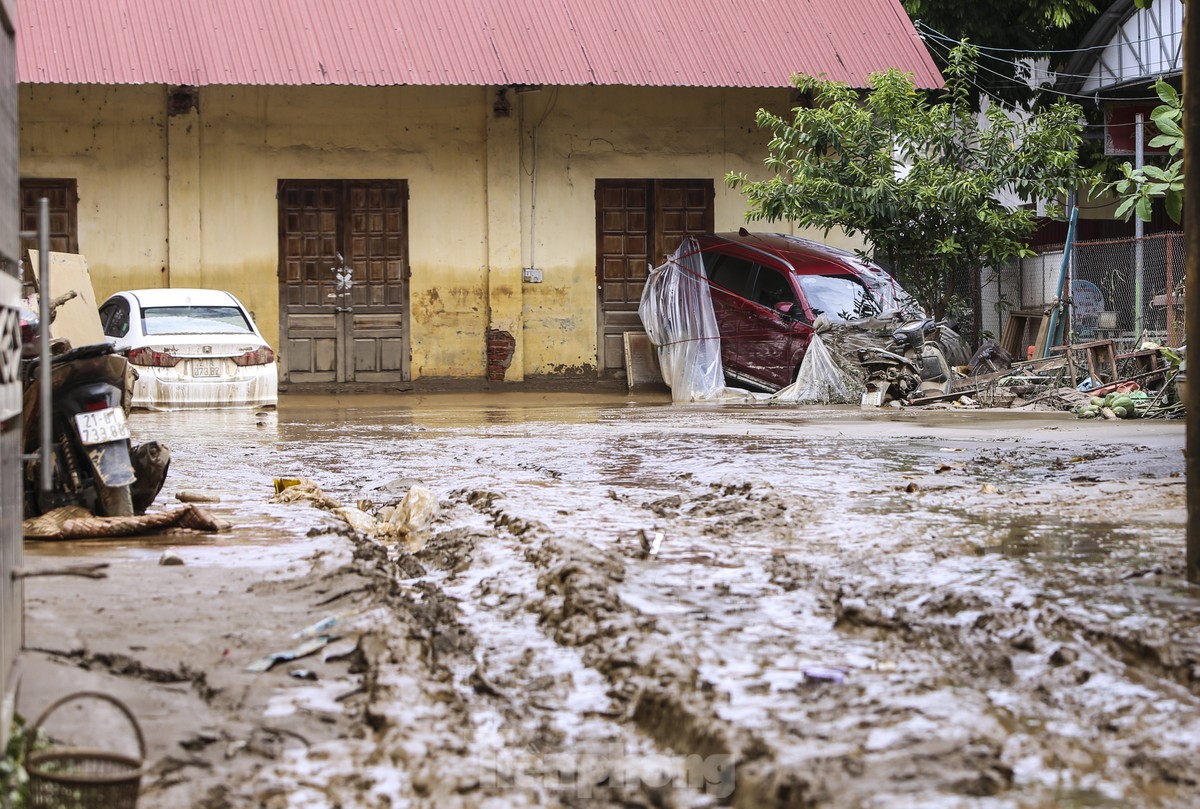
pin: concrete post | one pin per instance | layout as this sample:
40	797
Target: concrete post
505	334
183	190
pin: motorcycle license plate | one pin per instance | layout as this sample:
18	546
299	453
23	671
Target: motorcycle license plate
102	426
205	369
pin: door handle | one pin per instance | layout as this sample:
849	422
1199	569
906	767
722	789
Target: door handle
343	308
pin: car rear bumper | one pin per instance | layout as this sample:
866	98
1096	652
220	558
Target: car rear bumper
167	389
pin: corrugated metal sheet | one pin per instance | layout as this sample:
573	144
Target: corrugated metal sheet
665	43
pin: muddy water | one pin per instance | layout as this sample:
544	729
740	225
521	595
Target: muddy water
639	603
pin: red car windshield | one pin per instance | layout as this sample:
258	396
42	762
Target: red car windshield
843	298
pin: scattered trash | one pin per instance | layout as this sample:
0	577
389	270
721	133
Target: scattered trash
403	521
305	649
340	651
302	674
292	490
197	497
287	483
824	674
649	545
325	626
170	558
417	509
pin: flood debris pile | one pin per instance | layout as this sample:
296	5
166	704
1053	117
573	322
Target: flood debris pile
897	357
1090	379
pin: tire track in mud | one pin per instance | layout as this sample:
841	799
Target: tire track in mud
962	742
658	681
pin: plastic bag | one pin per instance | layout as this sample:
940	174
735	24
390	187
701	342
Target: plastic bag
821	380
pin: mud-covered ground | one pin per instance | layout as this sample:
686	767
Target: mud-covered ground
627	603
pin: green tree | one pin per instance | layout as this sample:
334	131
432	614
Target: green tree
1138	188
918	175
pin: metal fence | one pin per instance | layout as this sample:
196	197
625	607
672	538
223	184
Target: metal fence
1125	290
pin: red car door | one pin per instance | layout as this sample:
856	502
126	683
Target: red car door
774	335
730	279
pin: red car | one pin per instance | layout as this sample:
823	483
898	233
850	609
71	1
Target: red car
767	289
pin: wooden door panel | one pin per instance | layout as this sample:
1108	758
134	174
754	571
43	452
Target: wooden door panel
638	223
333	332
622	240
378	256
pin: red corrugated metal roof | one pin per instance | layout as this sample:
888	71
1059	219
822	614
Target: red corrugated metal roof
671	43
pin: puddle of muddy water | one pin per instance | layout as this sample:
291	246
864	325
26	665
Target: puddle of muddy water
1062	540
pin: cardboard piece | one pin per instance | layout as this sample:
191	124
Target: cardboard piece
78	319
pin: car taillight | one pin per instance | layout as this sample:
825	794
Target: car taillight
148	356
260	356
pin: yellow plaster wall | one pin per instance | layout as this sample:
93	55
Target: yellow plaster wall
111	141
431	137
243	140
590	133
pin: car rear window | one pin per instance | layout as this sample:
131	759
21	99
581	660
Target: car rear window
194	320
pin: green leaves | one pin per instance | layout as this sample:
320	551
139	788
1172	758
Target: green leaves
917	173
1138	188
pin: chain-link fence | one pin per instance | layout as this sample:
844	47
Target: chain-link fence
1123	290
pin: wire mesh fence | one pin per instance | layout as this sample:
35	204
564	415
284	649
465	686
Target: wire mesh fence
1124	290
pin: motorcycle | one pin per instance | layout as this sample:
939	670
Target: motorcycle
92	462
912	364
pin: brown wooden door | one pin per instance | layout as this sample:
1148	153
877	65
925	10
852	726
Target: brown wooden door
343	280
638	223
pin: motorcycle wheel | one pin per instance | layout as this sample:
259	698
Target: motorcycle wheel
116	501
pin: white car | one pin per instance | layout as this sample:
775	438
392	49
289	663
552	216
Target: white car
191	348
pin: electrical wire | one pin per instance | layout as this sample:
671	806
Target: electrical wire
938	34
1022	85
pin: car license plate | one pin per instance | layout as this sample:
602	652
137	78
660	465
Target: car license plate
102	426
205	369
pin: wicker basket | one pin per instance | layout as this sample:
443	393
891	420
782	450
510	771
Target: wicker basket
84	778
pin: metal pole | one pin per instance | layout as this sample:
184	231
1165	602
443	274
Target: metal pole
1191	241
1138	233
1062	282
1068	299
45	405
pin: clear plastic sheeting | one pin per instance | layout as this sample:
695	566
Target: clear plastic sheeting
822	379
677	313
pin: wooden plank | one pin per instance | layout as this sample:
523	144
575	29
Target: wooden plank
641	362
78	319
1013	338
1043	334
